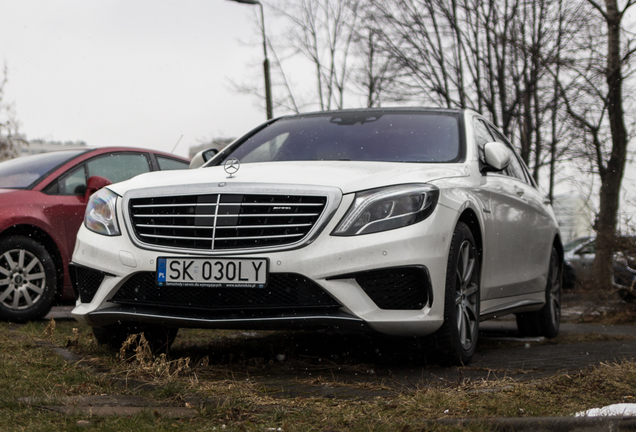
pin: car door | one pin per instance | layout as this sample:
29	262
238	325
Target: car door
583	260
71	186
516	245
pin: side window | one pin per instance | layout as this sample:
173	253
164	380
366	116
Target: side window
166	164
74	183
514	169
482	134
118	167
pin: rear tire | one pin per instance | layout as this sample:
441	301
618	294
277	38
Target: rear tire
456	340
159	338
28	279
547	320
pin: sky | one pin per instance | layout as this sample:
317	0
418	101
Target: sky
140	73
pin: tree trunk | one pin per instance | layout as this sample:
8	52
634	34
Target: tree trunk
612	175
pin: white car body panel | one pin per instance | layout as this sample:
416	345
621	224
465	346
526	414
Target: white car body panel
517	231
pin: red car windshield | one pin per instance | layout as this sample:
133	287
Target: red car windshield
24	172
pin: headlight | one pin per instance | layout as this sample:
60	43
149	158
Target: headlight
101	215
388	208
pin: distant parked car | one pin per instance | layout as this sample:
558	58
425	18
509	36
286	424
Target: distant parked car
579	257
43	200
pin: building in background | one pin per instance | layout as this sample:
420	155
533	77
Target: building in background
41	146
218	144
575	216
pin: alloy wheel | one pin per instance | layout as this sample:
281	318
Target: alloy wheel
22	279
554	295
466	301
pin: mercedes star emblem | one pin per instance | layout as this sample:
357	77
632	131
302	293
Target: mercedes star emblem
231	166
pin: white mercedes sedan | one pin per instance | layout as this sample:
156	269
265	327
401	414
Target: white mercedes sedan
408	222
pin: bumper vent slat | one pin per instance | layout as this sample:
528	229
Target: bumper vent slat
284	291
224	221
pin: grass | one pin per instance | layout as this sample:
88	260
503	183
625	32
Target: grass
226	377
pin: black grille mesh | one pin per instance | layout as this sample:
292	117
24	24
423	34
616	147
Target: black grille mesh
86	282
404	288
284	290
224	221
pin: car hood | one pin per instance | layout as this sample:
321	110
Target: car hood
6	192
16	196
345	175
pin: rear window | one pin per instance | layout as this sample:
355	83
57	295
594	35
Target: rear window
356	136
22	172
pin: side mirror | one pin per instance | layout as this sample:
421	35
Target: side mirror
202	157
497	156
94	184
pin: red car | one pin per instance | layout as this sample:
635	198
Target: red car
42	202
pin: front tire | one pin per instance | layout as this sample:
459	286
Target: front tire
547	320
28	279
456	340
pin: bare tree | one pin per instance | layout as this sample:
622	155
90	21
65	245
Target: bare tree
593	91
373	73
323	33
494	56
9	138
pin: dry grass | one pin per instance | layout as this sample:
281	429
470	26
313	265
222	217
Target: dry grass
221	375
602	307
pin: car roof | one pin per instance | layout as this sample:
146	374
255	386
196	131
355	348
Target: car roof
377	110
90	152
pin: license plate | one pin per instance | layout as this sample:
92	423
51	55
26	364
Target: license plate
212	272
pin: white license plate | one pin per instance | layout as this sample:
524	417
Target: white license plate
212	272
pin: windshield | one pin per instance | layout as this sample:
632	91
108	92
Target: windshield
356	136
575	243
22	172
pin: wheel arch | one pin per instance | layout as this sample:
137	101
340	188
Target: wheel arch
470	218
558	245
49	244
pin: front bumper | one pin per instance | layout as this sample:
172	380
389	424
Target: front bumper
391	282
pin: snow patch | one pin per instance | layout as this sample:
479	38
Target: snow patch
621	409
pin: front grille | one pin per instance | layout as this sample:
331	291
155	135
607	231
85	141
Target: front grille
403	288
283	291
224	221
86	282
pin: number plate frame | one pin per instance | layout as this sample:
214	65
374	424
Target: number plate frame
218	272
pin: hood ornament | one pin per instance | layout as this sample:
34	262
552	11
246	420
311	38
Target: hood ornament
231	166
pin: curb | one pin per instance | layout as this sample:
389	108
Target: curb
548	424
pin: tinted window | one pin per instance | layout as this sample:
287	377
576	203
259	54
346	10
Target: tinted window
20	173
73	183
114	167
170	164
118	167
575	243
482	135
359	136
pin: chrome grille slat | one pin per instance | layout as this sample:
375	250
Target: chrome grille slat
228	216
233	238
221	227
220	204
170	215
174	205
224	221
264	226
